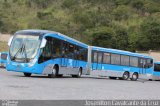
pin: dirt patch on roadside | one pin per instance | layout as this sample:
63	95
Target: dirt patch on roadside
4	37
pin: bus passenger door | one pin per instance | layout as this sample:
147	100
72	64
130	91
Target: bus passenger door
94	61
142	63
75	61
99	61
64	57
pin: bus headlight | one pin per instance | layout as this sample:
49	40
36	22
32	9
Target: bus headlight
32	63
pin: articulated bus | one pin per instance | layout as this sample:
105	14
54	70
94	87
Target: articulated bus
54	54
119	64
46	52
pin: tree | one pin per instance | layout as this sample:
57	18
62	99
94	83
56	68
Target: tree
149	35
104	37
121	38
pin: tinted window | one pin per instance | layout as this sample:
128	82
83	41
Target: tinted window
115	59
157	67
106	58
51	50
70	52
83	54
134	61
64	49
4	56
124	60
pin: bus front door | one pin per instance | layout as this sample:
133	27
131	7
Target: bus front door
99	61
97	64
142	70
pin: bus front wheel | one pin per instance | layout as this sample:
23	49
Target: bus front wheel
54	72
27	74
79	74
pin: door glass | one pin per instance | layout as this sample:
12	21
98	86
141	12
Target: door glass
99	57
95	57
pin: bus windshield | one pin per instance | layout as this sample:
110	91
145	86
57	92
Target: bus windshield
24	47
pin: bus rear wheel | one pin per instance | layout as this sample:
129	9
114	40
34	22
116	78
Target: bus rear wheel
134	77
27	74
125	76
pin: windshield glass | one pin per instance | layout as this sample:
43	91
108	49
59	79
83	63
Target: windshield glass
24	46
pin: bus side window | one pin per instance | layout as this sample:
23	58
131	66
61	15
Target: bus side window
71	51
124	60
115	59
56	48
134	61
76	52
64	49
157	67
106	58
46	53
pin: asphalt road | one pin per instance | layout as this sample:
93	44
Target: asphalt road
15	86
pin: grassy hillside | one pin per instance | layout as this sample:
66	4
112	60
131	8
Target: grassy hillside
122	24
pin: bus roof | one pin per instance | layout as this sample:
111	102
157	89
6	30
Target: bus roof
3	52
52	33
119	52
157	62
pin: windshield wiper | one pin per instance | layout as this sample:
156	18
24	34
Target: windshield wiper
19	50
24	48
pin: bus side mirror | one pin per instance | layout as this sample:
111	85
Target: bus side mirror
43	43
10	40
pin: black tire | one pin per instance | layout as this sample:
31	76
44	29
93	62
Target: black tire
60	75
125	76
120	78
54	72
134	77
112	77
79	74
27	74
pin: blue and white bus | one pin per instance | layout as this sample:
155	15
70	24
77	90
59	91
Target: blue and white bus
46	52
156	71
119	64
3	59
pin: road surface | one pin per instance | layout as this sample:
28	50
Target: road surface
14	86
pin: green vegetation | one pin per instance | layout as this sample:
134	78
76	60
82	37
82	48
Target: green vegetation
122	24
